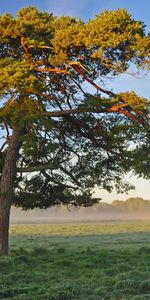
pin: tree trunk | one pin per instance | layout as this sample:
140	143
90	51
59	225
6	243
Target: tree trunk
7	187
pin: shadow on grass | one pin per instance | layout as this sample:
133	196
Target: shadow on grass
71	274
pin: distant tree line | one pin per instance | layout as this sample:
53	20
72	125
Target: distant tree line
133	205
130	205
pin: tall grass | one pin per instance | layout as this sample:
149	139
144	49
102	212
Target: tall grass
77	265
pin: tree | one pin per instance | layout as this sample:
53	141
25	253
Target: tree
59	138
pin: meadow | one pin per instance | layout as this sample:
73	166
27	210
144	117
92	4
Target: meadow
77	261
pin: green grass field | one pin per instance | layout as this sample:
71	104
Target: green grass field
94	261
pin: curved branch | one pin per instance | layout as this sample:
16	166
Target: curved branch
50	166
113	109
118	108
26	53
79	68
50	178
37	168
40	47
70	175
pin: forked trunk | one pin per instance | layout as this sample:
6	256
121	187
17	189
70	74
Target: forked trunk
7	188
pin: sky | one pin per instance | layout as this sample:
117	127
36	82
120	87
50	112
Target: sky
87	9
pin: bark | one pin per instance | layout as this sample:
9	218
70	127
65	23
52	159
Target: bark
7	187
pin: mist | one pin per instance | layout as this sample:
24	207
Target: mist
131	209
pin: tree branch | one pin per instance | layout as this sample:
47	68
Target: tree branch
26	53
49	178
113	109
80	69
37	168
50	166
70	175
40	47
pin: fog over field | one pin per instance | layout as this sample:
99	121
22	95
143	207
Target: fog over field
131	209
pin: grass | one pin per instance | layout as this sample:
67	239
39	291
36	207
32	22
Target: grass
77	262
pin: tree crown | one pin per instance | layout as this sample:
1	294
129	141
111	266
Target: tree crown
73	139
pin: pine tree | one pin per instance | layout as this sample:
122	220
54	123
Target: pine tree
60	139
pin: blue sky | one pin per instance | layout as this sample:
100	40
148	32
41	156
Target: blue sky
87	9
84	9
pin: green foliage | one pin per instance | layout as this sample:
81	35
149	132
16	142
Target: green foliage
117	37
20	77
44	64
134	100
